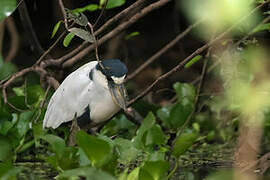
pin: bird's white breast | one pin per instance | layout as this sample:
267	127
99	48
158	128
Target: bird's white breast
102	106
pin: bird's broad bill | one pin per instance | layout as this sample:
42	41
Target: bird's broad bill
119	94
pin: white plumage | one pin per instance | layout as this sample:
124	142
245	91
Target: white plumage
76	93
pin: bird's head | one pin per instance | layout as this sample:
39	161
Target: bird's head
114	73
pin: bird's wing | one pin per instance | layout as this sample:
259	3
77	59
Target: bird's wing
71	98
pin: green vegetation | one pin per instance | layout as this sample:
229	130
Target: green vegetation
190	136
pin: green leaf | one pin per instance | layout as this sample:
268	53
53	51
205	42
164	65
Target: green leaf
78	18
183	142
87	172
6	8
134	174
6	68
90	7
57	144
18	102
6	149
55	29
83	159
19	91
136	33
35	94
23	123
98	151
69	158
83	34
174	116
261	27
9	172
221	175
164	114
157	155
38	132
193	61
185	92
179	114
155	136
126	150
6	124
112	3
68	38
147	123
119	126
154	170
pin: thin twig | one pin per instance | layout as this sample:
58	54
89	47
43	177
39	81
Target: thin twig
198	51
217	62
119	16
265	20
42	103
101	13
162	51
26	21
57	62
14	36
198	91
62	7
19	74
96	44
50	48
116	31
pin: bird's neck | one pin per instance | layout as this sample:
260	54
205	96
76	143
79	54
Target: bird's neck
99	79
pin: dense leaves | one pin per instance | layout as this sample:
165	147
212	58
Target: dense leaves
100	156
169	137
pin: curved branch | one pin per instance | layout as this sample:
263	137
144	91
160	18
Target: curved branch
198	51
14	45
59	61
162	51
116	31
26	21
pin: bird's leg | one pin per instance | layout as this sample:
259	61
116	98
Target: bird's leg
133	116
73	131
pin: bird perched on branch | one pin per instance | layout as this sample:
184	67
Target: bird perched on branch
91	94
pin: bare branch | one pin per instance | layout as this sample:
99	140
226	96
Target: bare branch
215	64
117	30
198	51
57	62
162	51
96	45
198	91
62	7
14	45
119	16
26	21
101	13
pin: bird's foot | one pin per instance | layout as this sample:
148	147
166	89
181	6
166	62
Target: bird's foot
73	131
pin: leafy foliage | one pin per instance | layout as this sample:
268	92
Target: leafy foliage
68	39
122	150
6	8
6	68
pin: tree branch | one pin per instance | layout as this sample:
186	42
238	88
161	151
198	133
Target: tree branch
26	21
59	61
116	31
196	52
162	51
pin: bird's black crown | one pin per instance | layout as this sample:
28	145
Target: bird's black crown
113	67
